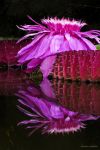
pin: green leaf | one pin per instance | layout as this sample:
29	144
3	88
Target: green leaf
98	47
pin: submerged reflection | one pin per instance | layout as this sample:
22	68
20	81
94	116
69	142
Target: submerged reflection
79	96
45	113
10	81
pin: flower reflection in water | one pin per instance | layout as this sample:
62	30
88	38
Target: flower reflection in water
40	105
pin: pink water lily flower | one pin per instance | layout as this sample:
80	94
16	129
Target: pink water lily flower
51	37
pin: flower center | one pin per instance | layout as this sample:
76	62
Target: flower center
63	25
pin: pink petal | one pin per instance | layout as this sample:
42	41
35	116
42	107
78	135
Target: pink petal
43	107
47	65
30	45
56	43
47	88
56	112
33	63
29	51
44	46
75	43
37	50
65	46
89	44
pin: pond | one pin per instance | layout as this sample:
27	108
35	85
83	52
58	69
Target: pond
58	114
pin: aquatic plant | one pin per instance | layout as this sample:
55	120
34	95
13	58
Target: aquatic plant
51	37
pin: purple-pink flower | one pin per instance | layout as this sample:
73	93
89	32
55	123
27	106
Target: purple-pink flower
46	114
51	37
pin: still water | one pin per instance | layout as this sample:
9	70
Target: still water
50	115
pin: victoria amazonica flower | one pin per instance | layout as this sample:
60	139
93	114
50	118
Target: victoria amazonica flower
51	37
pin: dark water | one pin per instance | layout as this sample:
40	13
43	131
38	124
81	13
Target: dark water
82	98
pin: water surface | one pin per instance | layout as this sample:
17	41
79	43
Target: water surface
82	98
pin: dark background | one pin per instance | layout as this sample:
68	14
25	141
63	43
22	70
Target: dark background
14	12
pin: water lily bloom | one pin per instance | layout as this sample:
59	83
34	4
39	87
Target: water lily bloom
46	114
51	37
